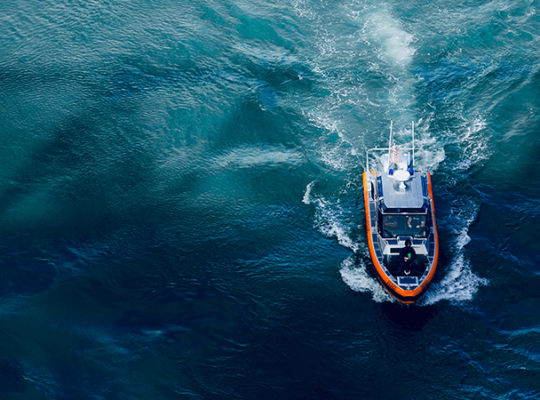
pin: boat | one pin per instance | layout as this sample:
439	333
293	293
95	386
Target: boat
400	216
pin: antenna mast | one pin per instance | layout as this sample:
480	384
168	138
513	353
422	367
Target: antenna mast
413	164
390	143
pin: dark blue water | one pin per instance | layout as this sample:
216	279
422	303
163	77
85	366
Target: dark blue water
181	212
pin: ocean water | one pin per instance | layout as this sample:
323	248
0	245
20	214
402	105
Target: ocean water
181	211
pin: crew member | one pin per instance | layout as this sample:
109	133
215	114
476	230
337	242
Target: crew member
407	258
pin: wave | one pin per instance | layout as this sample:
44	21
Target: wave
306	199
251	156
474	144
358	279
460	283
330	222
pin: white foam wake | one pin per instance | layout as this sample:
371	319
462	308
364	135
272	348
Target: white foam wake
459	285
330	222
429	152
396	41
330	219
306	199
358	279
460	282
474	143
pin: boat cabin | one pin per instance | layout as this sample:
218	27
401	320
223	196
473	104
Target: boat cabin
403	213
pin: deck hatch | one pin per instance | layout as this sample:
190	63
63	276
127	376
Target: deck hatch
407	280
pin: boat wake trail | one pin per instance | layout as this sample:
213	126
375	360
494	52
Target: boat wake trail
376	46
358	279
330	222
460	283
306	200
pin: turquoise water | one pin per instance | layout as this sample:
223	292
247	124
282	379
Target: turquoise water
181	204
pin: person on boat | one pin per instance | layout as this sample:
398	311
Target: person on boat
391	221
418	224
415	222
407	258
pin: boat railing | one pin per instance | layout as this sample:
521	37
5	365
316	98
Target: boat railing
383	149
390	147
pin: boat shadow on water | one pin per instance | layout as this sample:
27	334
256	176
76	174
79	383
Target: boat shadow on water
412	318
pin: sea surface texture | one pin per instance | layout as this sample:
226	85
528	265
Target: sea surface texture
181	210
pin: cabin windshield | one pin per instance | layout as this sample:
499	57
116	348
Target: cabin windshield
393	225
